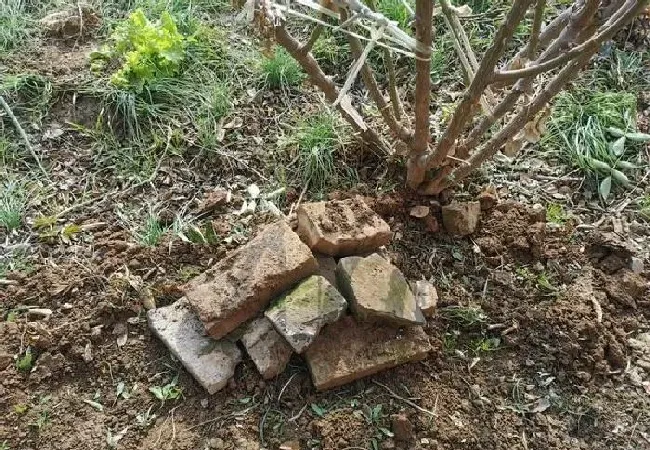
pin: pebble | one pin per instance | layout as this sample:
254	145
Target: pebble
205	403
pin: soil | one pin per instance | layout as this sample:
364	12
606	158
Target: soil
531	342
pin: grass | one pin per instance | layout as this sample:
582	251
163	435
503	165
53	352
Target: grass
395	10
644	207
464	316
151	231
13	202
580	131
16	24
316	140
280	70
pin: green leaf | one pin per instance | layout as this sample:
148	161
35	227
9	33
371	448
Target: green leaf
157	392
387	432
605	188
320	412
638	137
620	177
618	146
24	363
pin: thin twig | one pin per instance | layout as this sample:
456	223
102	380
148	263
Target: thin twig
23	135
406	400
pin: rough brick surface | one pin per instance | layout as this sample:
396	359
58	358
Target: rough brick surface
212	363
377	291
301	313
461	219
348	350
342	227
268	350
239	286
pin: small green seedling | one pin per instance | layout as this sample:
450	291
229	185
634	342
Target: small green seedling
555	214
170	391
25	362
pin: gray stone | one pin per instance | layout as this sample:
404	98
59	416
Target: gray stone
326	267
268	350
342	227
212	363
243	283
301	313
426	297
348	350
636	264
461	219
377	290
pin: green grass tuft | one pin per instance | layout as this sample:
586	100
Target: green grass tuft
582	129
151	232
316	140
395	10
281	71
13	202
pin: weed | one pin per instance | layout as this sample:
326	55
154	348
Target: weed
280	70
485	344
13	202
396	10
592	132
25	362
464	316
315	140
450	342
8	151
555	214
4	445
151	232
146	51
644	207
170	391
146	418
31	94
15	24
617	69
15	261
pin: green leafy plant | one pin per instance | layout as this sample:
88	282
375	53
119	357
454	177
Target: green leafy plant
152	231
13	201
147	51
170	391
464	316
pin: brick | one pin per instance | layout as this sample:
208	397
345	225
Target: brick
212	363
377	291
461	219
348	350
268	350
241	285
342	227
301	313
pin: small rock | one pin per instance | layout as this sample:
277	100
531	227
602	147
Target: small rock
216	443
39	313
67	24
147	298
377	290
342	227
426	297
213	200
205	403
243	283
537	213
290	445
488	198
402	428
348	350
420	211
461	219
268	350
432	224
636	264
300	314
212	363
96	332
88	353
51	364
